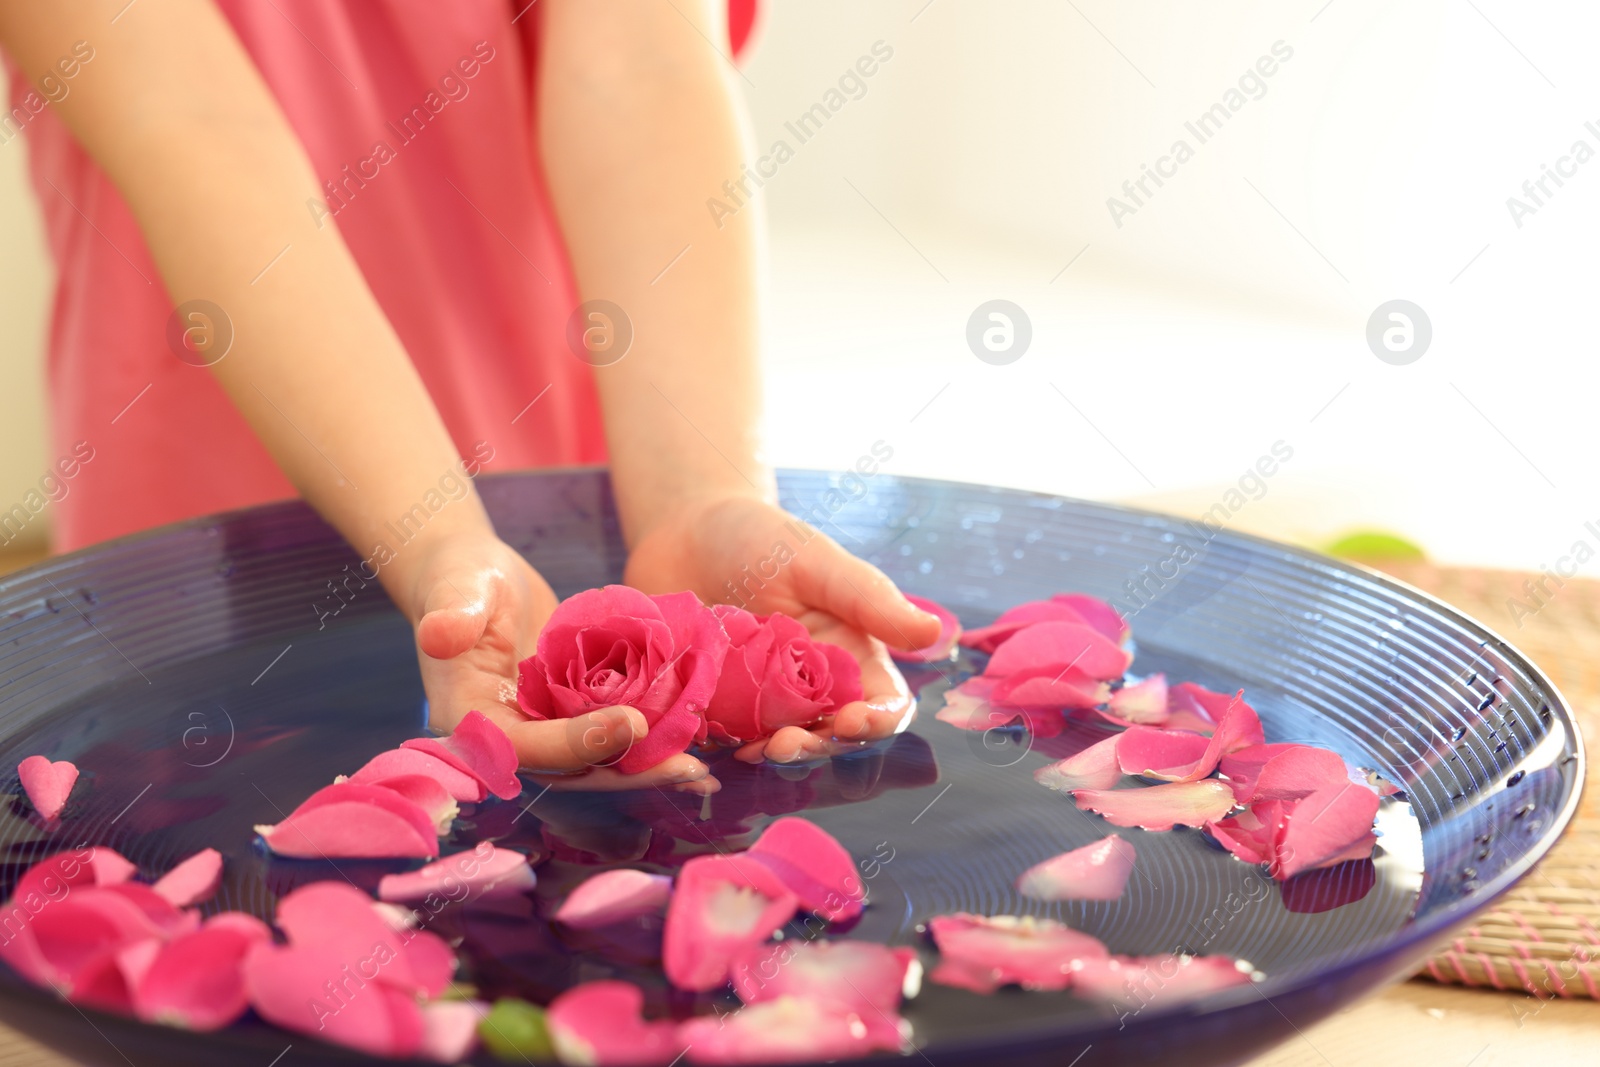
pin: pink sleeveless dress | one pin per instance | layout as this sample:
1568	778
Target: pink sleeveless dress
452	227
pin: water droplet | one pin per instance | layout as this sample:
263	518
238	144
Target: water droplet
1471	677
1470	872
89	597
51	606
1483	705
1483	854
1515	778
1460	732
1526	809
1457	796
925	567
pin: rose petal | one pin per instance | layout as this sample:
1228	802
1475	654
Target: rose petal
846	672
197	981
1096	767
1193	707
349	819
813	866
47	784
339	917
722	906
1050	687
1094	872
426	793
1250	834
404	762
319	991
485	872
1159	807
982	954
614	896
1282	771
479	748
789	1030
942	647
969	706
1097	613
850	976
450	1030
353	831
1056	609
601	1023
1144	746
1166	978
1151	752
193	881
1330	826
1143	702
1062	645
95	865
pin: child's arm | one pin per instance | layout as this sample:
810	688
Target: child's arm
174	111
638	129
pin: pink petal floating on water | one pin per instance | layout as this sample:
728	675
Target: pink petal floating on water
1144	702
811	864
93	865
982	954
602	1023
722	906
1250	835
853	976
1282	771
1096	767
1050	688
790	1029
328	994
949	631
353	820
1194	707
1330	826
1160	807
399	762
477	748
614	896
449	1030
485	872
1180	756
970	706
1068	607
1162	980
337	916
1062	645
1094	872
197	981
194	881
47	784
427	793
1152	752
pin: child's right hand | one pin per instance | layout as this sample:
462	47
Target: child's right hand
478	608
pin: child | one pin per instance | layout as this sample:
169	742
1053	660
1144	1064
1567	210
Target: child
375	219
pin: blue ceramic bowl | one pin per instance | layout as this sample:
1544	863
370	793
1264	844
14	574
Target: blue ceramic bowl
206	677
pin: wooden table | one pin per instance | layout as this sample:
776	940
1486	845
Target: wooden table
1411	1024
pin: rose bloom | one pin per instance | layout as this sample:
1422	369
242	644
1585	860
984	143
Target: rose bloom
616	646
775	675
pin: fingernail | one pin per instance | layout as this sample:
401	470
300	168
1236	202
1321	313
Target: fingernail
694	774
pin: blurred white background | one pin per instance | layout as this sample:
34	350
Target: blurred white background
1228	313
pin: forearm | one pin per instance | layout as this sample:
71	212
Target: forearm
638	127
175	113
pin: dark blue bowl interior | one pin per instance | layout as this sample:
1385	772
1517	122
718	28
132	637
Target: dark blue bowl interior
201	678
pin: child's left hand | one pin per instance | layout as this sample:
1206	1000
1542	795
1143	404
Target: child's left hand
742	550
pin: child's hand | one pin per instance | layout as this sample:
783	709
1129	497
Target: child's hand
743	550
479	610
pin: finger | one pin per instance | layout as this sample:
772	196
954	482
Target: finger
455	615
682	772
828	577
562	746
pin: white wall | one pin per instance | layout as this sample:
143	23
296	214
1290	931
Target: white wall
1205	327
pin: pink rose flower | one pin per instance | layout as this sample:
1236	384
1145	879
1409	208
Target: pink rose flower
616	646
775	675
